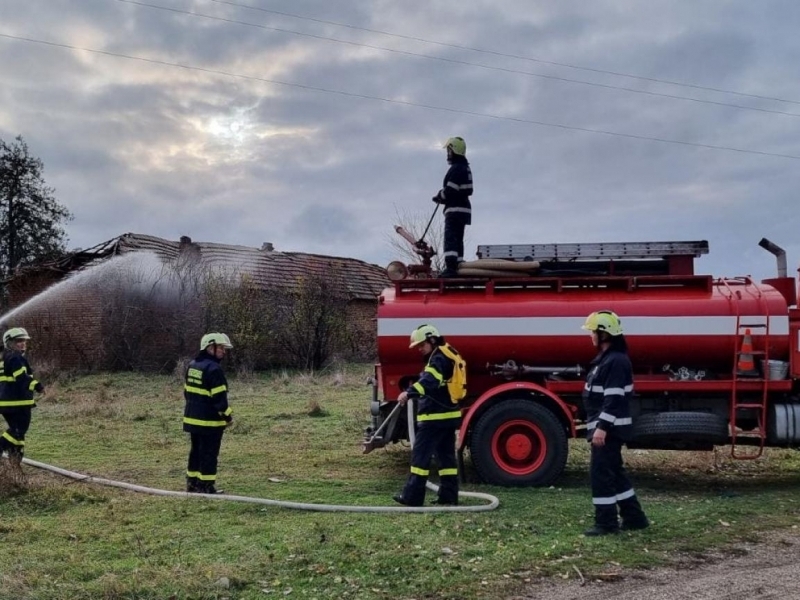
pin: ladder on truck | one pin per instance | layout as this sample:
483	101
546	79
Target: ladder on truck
737	405
669	258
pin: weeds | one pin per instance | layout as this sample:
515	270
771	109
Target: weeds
69	536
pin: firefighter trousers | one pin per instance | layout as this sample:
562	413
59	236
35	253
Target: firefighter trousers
611	488
202	470
13	439
433	439
454	225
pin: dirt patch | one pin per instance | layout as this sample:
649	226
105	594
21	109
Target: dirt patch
766	570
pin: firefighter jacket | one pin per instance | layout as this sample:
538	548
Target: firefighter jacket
607	394
17	383
456	190
435	405
206	394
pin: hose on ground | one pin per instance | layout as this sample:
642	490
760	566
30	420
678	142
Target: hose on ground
493	501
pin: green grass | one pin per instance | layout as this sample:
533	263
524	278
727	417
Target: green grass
63	539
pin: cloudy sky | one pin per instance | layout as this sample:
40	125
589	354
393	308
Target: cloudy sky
313	124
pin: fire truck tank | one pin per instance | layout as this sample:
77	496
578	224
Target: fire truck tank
677	320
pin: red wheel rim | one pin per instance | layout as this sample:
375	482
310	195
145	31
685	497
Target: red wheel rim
519	447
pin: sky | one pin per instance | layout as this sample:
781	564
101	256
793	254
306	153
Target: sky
317	126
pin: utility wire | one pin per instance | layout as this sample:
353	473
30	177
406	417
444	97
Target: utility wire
395	101
457	61
503	54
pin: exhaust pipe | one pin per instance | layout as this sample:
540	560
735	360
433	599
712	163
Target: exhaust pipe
780	255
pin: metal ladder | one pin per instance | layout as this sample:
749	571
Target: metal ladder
736	405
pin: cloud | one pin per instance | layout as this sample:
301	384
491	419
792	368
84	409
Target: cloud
132	145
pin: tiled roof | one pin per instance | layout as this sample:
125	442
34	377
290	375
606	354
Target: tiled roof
268	268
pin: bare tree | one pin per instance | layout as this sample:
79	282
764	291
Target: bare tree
312	321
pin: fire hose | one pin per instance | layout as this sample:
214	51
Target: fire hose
493	501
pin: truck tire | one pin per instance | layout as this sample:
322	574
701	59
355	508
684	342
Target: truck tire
680	427
518	443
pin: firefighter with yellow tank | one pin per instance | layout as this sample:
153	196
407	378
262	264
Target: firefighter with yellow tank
438	418
17	387
207	413
606	398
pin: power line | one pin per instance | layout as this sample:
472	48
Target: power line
503	54
395	101
457	61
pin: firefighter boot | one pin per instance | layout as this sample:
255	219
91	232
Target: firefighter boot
605	521
208	487
400	499
192	485
633	516
448	491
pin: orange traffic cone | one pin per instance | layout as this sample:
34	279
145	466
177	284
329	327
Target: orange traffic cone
746	367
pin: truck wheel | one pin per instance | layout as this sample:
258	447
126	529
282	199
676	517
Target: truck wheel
518	443
680	426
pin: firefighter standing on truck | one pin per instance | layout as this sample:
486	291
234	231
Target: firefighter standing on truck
17	386
438	418
207	413
454	195
606	398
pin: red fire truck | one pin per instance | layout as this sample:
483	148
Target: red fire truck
520	332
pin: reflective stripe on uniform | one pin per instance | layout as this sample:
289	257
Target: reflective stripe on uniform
617	422
206	477
33	385
604	501
17	403
446	472
196	390
12	439
614	499
617	391
625	495
458	209
418	387
18	372
202	392
435	373
228	412
420	472
192	473
190	421
439	416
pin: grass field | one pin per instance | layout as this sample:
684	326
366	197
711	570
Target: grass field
297	437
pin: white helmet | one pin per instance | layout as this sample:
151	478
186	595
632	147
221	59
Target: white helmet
220	339
15	334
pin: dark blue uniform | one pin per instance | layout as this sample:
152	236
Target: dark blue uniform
438	419
454	195
17	386
606	398
205	417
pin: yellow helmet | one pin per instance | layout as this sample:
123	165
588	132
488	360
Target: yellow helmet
220	339
604	320
457	145
14	334
423	333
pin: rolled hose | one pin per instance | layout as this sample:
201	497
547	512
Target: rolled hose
493	501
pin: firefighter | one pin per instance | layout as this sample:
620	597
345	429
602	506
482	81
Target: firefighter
438	418
454	195
17	387
606	397
207	413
